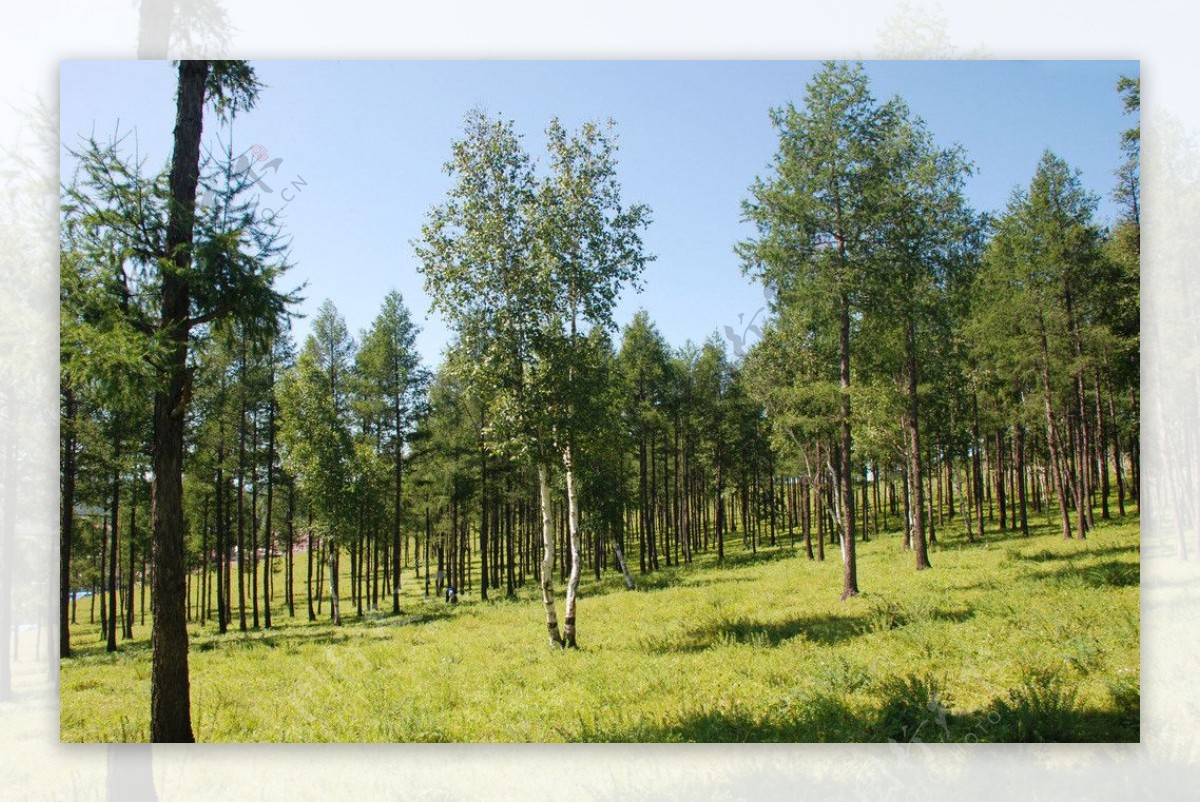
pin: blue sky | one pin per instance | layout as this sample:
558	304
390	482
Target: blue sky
361	146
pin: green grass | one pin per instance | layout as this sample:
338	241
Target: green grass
1007	639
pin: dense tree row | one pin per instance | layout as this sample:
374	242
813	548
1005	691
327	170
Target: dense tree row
924	366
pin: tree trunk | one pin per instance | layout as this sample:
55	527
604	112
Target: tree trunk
101	572
999	476
547	573
114	612
67	523
976	462
308	585
241	496
289	567
720	512
912	430
254	521
397	501
1118	468
267	539
483	524
1101	451
127	631
331	556
1052	431
170	706
573	531
849	567
205	589
1022	505
806	516
619	554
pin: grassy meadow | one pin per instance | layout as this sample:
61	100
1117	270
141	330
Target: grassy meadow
1005	639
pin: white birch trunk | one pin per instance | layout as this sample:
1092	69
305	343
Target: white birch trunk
334	609
573	531
548	557
620	556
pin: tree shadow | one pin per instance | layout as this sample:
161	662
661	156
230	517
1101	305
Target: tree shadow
727	631
955	536
904	714
1106	574
1117	549
765	554
317	632
96	651
818	719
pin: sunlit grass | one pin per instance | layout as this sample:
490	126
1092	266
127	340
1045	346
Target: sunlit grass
1005	639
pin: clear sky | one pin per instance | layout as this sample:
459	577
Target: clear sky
361	146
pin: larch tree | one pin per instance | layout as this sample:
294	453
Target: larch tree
817	220
199	266
642	365
1037	269
315	433
929	237
388	362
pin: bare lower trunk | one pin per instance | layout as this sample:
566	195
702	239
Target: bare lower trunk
547	576
845	476
113	609
913	432
127	623
1022	502
573	531
170	704
67	513
619	554
1056	459
396	509
335	611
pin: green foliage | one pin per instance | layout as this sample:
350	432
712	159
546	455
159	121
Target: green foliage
1113	573
915	708
315	428
886	614
1042	708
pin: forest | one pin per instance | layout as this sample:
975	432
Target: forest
907	511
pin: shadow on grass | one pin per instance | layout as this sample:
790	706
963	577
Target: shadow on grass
765	554
902	716
316	632
954	537
1108	574
725	632
887	613
96	651
1122	549
703	571
821	719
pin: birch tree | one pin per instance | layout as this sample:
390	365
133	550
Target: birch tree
522	266
589	248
